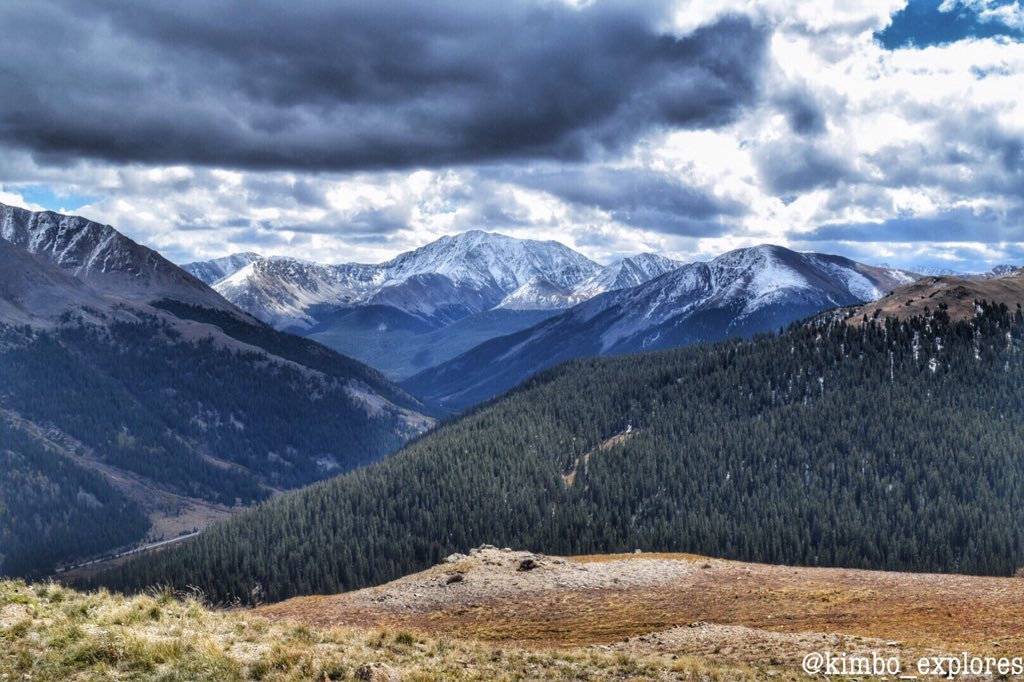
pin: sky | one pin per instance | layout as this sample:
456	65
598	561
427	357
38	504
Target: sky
349	131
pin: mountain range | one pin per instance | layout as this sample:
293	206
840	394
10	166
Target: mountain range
460	304
424	306
139	402
740	293
144	403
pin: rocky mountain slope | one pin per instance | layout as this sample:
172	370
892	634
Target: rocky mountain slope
33	291
104	258
740	293
133	387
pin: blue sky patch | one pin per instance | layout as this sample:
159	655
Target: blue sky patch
927	22
46	196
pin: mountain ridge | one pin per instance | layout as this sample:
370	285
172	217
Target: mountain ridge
742	292
104	258
169	403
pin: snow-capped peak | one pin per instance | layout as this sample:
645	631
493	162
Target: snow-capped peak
210	271
491	260
625	273
539	293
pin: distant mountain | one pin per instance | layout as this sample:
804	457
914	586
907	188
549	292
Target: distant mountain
285	292
931	271
493	262
538	294
997	271
136	399
625	273
210	271
439	283
422	292
740	293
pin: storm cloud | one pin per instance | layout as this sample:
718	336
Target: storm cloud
324	85
640	198
354	130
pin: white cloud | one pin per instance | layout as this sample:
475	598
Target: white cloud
1009	14
918	131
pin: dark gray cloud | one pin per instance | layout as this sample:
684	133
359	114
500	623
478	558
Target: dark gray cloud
638	197
792	166
266	191
804	114
362	84
950	226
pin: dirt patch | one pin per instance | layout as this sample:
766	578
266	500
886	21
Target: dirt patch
570	477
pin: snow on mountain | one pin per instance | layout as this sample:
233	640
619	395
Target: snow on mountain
494	261
995	273
104	258
742	292
1004	270
538	293
280	291
210	271
623	274
744	282
446	279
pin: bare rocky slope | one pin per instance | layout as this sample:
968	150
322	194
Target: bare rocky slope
678	605
958	296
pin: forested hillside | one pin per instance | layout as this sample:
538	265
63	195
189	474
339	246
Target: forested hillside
884	444
51	508
136	402
223	418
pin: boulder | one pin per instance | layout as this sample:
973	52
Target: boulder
377	672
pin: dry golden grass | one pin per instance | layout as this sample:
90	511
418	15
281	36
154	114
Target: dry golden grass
50	633
955	294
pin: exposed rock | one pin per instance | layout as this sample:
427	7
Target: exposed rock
455	578
454	558
377	672
528	564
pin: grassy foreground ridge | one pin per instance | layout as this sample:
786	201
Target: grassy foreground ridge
51	633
